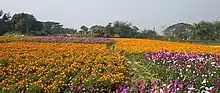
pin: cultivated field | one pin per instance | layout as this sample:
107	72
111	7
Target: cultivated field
82	65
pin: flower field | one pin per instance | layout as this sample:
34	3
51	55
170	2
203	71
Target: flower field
145	45
50	67
62	39
82	65
56	39
195	70
179	67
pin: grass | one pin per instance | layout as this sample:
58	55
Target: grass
139	69
199	42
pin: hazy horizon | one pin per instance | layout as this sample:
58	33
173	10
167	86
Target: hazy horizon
142	13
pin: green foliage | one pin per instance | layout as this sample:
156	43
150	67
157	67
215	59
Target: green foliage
180	30
150	34
124	29
27	24
98	31
116	29
24	23
84	29
206	30
203	30
138	68
4	22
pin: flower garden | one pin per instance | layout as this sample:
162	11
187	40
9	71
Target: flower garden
91	65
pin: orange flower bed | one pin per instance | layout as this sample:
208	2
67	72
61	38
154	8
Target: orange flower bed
145	45
56	66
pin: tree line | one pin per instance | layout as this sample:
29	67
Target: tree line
27	24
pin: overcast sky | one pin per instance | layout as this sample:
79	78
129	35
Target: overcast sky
142	13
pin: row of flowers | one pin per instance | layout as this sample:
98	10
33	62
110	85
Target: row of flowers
69	39
177	72
57	39
71	67
193	65
53	67
150	87
200	70
145	45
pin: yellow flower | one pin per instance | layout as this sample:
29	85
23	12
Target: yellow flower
145	45
53	64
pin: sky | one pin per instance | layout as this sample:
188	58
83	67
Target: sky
142	13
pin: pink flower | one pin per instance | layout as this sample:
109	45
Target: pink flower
79	89
71	90
92	90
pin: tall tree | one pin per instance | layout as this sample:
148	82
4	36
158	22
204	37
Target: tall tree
24	23
99	31
205	30
69	31
109	30
179	30
4	22
150	34
124	29
217	29
84	29
51	28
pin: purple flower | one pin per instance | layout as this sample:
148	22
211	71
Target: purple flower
153	91
92	89
163	90
125	89
139	84
117	90
181	86
69	39
79	89
176	82
217	86
142	89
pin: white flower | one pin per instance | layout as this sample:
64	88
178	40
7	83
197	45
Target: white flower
204	91
204	81
206	88
161	90
213	63
178	89
192	88
188	66
211	87
164	85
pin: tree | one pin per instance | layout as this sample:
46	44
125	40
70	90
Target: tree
4	22
179	30
98	31
69	31
52	28
150	34
217	29
84	29
206	31
135	31
24	23
109	30
124	29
